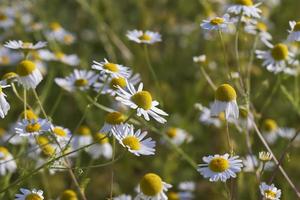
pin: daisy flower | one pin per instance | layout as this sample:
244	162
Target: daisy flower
30	194
123	197
6	21
111	120
294	33
4	105
245	7
71	59
186	195
216	23
58	33
269	192
206	117
200	59
61	134
270	130
177	135
32	127
82	137
28	74
277	58
101	148
143	37
261	30
18	44
152	187
79	79
9	57
68	195
109	68
220	167
141	100
246	118
286	132
187	186
225	101
250	163
265	156
134	141
7	162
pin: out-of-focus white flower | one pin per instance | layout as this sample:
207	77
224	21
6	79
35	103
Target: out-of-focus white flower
245	7
101	148
269	192
250	163
18	44
294	33
217	23
7	162
30	194
147	37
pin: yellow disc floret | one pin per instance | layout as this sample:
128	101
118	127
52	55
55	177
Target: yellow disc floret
42	140
30	115
101	138
84	130
55	26
173	196
115	82
59	55
297	27
3	17
47	150
218	164
59	131
33	196
34	127
217	21
225	93
132	142
280	52
5	60
171	132
269	125
81	82
68	195
142	99
145	37
3	153
114	118
151	184
269	194
111	67
261	27
245	2
25	68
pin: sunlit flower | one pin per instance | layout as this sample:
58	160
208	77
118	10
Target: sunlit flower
7	162
225	101
101	148
109	68
220	167
250	163
216	23
79	79
30	194
152	187
28	127
141	100
245	7
134	141
68	195
111	120
265	156
4	105
61	134
294	33
144	37
28	74
82	137
14	44
269	192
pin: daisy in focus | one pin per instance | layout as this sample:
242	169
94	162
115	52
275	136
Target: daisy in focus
101	148
18	44
135	142
109	68
29	128
216	23
4	105
294	33
141	100
269	192
220	167
144	37
225	101
245	7
152	187
7	162
28	74
30	194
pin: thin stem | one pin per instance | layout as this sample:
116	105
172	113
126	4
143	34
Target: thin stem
230	146
208	79
40	103
224	54
25	103
112	168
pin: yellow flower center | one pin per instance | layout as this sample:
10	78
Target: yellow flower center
5	60
59	131
173	196
26	45
2	131
118	82
261	27
84	130
297	26
81	82
151	184
33	197
132	142
143	99
47	151
243	113
222	116
35	55
171	132
25	68
3	17
225	93
114	118
68	195
59	55
101	138
217	21
245	2
35	127
269	194
4	153
68	38
42	140
280	52
218	164
30	115
269	125
55	26
111	67
145	37
9	75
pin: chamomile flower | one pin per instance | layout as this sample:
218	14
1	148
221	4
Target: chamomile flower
123	197
82	137
68	195
294	33
152	187
177	135
4	105
9	57
261	30
30	194
62	135
246	118
28	74
59	56
250	163
270	130
109	68
185	195
58	33
265	156
277	58
200	59
187	186
206	117
269	192
18	44
79	79
33	127
134	141
101	148
6	21
245	7
111	120
225	101
220	167
141	100
216	23
286	132
144	37
7	162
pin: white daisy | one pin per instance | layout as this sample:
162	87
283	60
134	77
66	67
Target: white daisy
141	100
250	163
270	130
245	7
71	59
6	20
220	167
58	33
123	197
261	30
109	68
294	33
144	37
286	132
199	59
134	141
61	134
101	148
206	117
177	135
32	127
225	101
18	44
30	194
269	192
216	23
111	120
9	57
7	162
152	187
79	79
187	186
4	105
29	75
82	137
